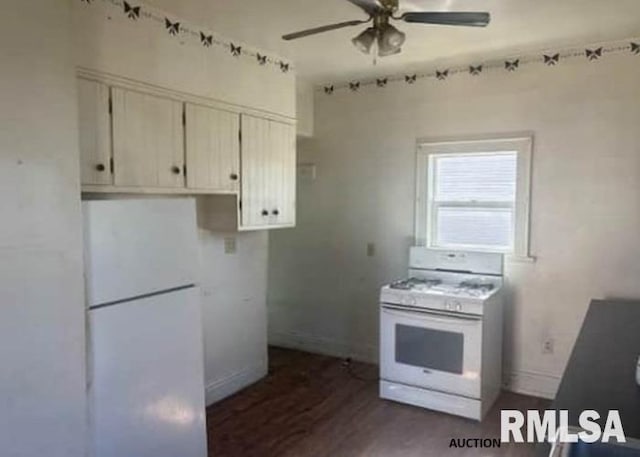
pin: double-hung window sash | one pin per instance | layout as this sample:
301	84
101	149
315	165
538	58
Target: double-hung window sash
472	199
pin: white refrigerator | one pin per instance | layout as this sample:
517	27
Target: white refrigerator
146	374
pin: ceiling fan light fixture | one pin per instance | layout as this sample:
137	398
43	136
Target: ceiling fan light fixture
392	36
365	40
390	41
388	51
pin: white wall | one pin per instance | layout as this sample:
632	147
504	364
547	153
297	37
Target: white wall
585	205
42	318
106	40
234	290
305	92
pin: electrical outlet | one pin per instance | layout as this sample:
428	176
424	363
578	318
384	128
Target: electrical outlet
230	245
548	346
371	249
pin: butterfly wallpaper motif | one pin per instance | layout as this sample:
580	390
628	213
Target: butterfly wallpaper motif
512	65
235	50
206	40
475	71
172	27
593	54
442	75
509	65
132	12
551	60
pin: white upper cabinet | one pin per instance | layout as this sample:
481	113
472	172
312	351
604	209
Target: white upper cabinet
212	149
148	140
268	155
94	123
139	139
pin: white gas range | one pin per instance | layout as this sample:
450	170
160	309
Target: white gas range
441	332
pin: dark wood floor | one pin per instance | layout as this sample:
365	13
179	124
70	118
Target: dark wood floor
315	406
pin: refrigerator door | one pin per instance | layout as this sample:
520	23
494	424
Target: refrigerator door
137	247
147	381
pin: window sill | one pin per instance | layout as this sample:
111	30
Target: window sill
520	259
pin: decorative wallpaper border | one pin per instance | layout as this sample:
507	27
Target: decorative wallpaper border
510	65
136	11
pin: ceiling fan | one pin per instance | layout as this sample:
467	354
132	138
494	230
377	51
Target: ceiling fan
389	40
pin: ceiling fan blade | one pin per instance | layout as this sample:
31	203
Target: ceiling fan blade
443	18
369	6
324	28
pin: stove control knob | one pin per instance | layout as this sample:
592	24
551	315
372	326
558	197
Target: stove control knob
458	307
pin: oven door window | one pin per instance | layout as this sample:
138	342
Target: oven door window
429	348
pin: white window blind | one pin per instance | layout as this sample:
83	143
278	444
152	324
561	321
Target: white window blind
481	177
473	200
474	195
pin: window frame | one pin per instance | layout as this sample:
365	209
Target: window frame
425	221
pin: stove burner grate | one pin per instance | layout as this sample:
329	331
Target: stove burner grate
476	286
412	283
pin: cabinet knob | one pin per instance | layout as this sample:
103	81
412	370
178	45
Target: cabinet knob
275	212
233	176
101	167
175	170
265	212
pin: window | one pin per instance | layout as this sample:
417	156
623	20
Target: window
474	195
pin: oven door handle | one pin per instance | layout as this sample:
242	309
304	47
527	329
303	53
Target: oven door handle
402	311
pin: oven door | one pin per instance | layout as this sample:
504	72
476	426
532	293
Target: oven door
431	349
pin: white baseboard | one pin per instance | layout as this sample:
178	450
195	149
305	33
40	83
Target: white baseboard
326	346
222	388
541	385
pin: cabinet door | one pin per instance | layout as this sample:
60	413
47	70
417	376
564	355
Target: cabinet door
213	149
94	122
148	142
282	188
255	163
268	173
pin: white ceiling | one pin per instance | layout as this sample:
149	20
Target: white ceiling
517	26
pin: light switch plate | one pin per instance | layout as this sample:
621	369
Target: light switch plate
230	245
